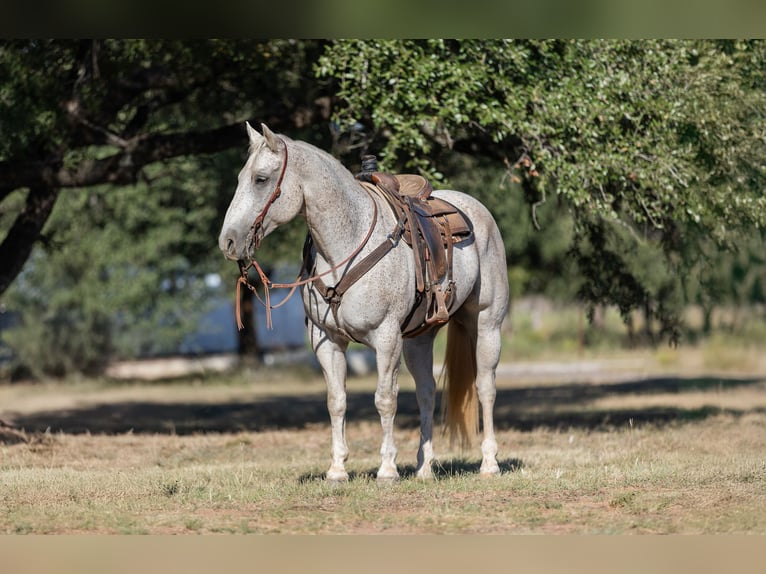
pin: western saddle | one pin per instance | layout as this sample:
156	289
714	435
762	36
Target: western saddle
429	225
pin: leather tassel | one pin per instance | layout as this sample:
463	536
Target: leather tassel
238	304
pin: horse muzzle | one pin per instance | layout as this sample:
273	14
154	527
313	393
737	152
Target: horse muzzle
231	246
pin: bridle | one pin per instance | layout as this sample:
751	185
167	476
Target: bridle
254	237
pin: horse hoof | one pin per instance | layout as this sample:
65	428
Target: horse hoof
387	480
337	477
488	470
424	474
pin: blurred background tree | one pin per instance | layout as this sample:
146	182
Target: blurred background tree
624	173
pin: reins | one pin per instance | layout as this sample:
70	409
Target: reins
267	283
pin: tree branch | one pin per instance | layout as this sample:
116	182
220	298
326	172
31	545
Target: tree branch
121	167
46	178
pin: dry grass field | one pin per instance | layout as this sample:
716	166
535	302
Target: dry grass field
648	443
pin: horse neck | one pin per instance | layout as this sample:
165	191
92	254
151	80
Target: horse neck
337	210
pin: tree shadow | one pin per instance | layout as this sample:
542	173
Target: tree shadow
525	408
568	405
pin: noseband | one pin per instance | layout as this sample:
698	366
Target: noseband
255	235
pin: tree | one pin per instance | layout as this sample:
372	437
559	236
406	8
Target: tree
631	157
640	138
117	163
83	113
121	273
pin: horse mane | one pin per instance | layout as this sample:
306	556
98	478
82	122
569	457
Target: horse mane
311	149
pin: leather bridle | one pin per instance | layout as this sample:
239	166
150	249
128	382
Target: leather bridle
255	236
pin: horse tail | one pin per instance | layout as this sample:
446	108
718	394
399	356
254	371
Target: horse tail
460	405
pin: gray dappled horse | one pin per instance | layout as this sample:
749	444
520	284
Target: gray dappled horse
283	178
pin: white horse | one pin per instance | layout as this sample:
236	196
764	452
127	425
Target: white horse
283	178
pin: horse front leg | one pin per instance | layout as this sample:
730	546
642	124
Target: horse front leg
388	355
332	359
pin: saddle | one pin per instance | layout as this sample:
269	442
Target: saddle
430	226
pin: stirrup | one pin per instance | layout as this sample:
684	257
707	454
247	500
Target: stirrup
442	314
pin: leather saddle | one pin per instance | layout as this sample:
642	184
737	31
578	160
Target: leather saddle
430	226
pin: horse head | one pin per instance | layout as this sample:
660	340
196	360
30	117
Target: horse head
266	196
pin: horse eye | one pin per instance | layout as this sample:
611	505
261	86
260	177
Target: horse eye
260	179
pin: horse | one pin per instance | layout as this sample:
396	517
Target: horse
284	178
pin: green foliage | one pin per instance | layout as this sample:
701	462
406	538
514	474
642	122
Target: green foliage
121	272
65	329
620	172
654	137
33	80
118	270
537	242
117	87
622	128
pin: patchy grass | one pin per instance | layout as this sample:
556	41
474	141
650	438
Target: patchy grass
656	454
705	477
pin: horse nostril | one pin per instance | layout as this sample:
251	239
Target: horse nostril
227	244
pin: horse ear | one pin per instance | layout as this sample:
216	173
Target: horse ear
254	136
271	139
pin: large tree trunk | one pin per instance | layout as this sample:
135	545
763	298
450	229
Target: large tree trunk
25	232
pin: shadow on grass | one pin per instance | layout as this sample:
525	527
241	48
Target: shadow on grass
455	467
551	406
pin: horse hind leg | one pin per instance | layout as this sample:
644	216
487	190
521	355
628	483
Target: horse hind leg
473	353
492	308
418	356
488	344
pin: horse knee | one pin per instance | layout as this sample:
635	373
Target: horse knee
336	406
385	403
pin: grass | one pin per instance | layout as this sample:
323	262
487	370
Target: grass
657	453
594	438
606	482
